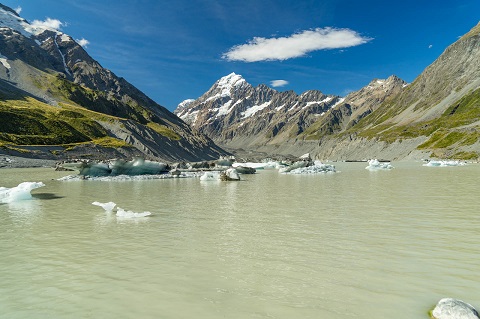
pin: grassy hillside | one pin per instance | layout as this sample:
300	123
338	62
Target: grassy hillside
28	121
457	127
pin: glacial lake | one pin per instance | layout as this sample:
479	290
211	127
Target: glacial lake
354	244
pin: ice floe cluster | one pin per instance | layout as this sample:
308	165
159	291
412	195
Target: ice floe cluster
303	168
18	193
111	207
444	163
375	165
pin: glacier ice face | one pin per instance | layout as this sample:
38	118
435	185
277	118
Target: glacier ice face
18	193
375	165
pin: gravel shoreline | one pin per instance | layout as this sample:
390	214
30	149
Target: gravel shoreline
8	161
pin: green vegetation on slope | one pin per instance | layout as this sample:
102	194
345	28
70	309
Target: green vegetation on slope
30	122
457	126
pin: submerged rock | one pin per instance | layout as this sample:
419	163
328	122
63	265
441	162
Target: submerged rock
449	308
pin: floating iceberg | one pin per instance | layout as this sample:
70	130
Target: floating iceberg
375	165
18	193
317	168
210	176
444	163
266	165
230	174
120	212
294	166
129	214
109	207
136	167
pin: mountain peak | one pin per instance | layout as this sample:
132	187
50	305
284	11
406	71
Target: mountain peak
10	19
5	8
231	80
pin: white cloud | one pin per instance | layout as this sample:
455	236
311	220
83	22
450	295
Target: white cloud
83	42
278	83
18	9
294	46
48	24
430	46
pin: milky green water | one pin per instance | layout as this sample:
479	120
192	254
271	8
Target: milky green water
355	244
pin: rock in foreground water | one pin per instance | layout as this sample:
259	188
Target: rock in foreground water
449	308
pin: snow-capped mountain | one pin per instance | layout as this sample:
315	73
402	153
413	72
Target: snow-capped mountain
236	114
50	67
233	112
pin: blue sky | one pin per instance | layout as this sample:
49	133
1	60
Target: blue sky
175	50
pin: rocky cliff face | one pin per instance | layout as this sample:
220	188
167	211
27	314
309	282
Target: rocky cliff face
235	113
51	67
238	115
442	105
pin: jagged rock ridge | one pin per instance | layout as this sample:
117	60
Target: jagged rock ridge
236	114
233	112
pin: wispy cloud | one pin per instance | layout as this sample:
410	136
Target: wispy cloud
18	9
278	83
48	24
83	42
294	46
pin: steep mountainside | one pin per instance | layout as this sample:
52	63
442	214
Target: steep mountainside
236	114
41	67
442	105
438	115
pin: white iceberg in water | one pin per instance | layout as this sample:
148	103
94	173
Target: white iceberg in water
444	163
264	165
120	212
375	165
317	168
138	166
294	166
18	193
129	214
109	207
210	176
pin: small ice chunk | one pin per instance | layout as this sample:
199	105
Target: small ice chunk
120	212
130	214
109	207
444	163
210	176
18	193
375	165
